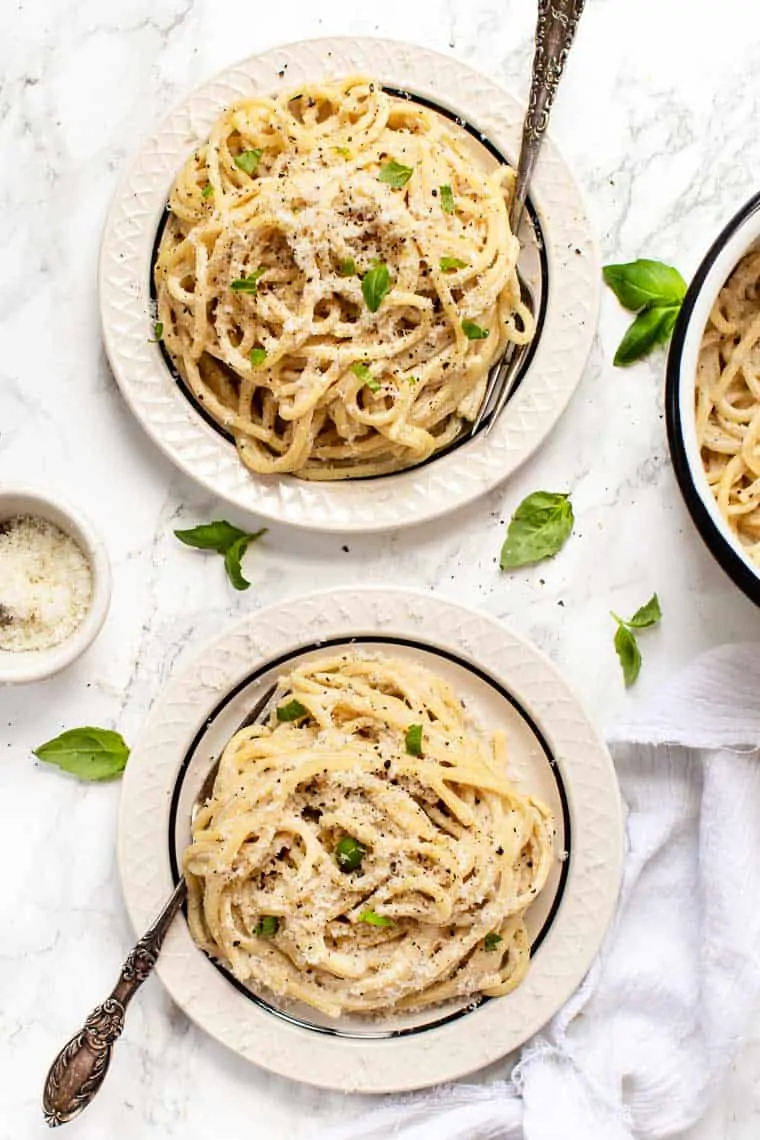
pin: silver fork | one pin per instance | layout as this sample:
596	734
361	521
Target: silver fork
555	29
80	1068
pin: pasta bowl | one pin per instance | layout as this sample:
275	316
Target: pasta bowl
738	238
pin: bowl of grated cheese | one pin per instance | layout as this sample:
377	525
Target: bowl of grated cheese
55	585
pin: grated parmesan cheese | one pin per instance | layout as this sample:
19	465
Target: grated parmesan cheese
45	584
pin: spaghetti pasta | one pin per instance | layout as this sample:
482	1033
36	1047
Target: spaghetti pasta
364	850
335	278
728	402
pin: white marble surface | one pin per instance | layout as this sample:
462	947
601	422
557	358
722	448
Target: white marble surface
658	117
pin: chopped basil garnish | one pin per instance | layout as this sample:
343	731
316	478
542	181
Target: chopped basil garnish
395	175
227	540
250	283
413	740
374	919
267	926
376	284
343	151
539	528
362	371
89	753
257	356
347	268
158	332
293	710
453	263
349	853
492	940
626	645
248	160
447	199
207	191
473	331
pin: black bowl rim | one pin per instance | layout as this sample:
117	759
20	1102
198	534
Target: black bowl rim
721	548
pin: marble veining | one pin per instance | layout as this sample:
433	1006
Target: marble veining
657	116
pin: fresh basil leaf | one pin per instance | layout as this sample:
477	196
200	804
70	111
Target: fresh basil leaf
267	926
233	555
218	536
374	919
376	284
539	528
395	175
250	283
453	263
447	199
413	740
347	268
628	652
651	327
645	283
647	615
473	331
492	940
207	191
293	710
349	853
257	356
89	753
361	370
158	332
249	160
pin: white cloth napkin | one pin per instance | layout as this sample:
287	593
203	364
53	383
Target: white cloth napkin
637	1050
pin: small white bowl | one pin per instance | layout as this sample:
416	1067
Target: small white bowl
740	235
36	664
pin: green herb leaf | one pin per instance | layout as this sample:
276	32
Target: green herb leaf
395	175
293	710
361	370
647	615
644	284
89	753
376	284
539	528
628	652
158	332
412	379
343	151
225	539
447	199
374	919
492	940
207	191
249	284
349	853
233	555
453	263
257	356
267	926
347	268
249	160
218	536
473	331
651	327
413	740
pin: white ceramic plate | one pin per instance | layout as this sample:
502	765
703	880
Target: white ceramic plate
566	254
554	751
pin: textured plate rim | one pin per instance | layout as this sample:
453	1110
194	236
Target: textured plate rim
391	501
449	1051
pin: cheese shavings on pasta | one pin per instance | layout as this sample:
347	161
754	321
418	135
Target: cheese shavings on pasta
265	291
333	867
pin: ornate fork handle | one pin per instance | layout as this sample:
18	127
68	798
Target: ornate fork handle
79	1069
557	21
